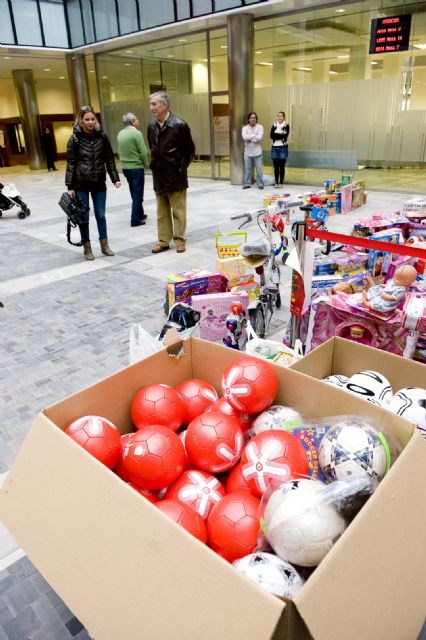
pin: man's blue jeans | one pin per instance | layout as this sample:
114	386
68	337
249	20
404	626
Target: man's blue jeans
249	162
136	180
99	201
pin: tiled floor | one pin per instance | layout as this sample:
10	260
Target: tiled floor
66	322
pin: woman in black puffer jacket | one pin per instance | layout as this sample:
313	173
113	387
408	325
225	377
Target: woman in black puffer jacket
89	157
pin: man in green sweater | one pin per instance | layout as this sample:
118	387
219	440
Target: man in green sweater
134	159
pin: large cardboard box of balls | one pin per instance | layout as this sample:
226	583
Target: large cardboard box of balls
129	573
345	357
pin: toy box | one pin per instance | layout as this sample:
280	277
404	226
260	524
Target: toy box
128	572
214	309
182	286
234	269
252	289
228	244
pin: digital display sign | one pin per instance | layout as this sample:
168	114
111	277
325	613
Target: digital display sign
389	35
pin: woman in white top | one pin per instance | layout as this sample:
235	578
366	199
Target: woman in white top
252	134
279	152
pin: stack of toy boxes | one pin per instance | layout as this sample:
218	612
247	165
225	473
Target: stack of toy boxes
340	267
181	287
231	264
380	260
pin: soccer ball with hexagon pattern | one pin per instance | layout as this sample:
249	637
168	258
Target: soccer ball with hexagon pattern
197	395
233	525
249	384
277	417
410	403
98	436
271	573
353	447
185	516
214	442
197	488
300	523
153	457
157	404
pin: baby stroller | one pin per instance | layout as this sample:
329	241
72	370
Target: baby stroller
9	198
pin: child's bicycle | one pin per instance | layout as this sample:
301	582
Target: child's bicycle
262	255
315	218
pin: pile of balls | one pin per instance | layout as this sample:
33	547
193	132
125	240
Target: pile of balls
207	462
409	402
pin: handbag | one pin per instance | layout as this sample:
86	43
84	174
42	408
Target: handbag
76	210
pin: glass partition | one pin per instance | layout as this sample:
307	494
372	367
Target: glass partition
336	96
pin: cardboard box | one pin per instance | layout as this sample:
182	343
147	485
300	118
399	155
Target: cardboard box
346	357
129	573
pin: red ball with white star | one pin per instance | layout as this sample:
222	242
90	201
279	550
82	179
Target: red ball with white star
197	488
197	396
272	457
98	436
249	384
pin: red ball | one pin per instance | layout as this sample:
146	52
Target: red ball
98	436
119	468
214	442
154	457
157	404
272	457
233	525
198	489
185	516
236	481
151	496
250	384
245	419
182	436
197	396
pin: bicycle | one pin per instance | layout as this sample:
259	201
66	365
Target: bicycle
315	218
263	257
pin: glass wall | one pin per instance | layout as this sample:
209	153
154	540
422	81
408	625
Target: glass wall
337	97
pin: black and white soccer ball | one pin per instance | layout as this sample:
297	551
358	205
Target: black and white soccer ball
301	523
271	573
337	380
371	386
354	447
410	403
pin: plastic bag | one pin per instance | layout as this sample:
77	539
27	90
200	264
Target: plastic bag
142	344
271	350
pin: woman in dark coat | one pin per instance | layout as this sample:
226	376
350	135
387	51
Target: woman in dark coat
49	149
89	158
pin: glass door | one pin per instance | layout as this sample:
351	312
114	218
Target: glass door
220	159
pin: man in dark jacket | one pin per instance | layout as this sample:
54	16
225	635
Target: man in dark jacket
172	151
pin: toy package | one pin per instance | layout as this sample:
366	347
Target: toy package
235	269
214	309
252	288
228	244
182	286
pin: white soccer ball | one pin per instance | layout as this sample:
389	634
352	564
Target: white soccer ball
275	418
410	403
301	524
271	573
336	379
354	448
370	385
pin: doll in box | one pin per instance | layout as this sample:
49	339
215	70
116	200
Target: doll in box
387	297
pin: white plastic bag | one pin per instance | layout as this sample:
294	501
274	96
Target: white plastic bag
141	344
270	349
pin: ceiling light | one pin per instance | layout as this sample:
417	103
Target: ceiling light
340	10
258	52
47	69
223	46
204	59
61	77
104	77
91	71
182	40
303	69
170	55
129	51
420	45
6	57
266	64
333	73
374	62
127	64
343	57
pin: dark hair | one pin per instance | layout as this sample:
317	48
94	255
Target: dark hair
282	113
252	113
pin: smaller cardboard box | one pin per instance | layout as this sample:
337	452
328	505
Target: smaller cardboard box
345	357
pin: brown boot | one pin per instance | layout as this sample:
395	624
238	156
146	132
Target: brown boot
105	248
88	251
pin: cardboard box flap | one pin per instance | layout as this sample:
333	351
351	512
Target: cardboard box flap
138	552
378	561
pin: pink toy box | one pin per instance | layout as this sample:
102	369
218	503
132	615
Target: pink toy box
332	316
214	309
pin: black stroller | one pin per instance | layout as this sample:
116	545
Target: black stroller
9	198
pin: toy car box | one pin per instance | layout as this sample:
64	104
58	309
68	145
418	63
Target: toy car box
129	573
345	357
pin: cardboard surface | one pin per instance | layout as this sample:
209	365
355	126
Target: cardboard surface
346	357
128	572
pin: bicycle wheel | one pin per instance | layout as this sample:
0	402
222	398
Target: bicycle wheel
257	321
